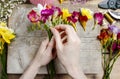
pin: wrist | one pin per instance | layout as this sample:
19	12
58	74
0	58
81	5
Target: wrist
76	72
35	63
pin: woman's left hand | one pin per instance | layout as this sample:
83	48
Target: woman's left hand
44	54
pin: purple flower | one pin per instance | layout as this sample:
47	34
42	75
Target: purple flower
74	17
114	45
46	13
33	17
114	29
58	10
99	18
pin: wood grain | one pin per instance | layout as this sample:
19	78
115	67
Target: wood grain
93	6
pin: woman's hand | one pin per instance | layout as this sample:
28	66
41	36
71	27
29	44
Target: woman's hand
42	58
68	49
44	54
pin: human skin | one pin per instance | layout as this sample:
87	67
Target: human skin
68	50
67	44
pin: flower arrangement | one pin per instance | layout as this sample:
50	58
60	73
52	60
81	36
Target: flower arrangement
6	35
110	41
45	17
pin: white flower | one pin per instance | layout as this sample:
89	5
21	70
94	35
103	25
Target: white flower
39	8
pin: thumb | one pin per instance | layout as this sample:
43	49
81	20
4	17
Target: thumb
57	37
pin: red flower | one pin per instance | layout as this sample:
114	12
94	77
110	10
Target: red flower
83	18
103	34
33	16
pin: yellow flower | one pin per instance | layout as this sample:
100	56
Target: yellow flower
65	13
6	34
3	24
86	12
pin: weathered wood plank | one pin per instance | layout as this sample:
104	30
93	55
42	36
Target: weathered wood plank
23	48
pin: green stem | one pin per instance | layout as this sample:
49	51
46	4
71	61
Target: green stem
51	65
3	60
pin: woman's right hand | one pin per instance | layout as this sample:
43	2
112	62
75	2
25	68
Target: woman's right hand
68	48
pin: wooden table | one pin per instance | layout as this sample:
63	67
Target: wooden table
116	69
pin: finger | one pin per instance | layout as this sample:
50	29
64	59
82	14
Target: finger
44	45
62	34
57	38
70	32
50	44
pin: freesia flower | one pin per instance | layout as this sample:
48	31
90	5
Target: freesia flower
46	13
39	8
86	15
114	46
86	12
6	34
33	17
118	36
83	20
65	13
57	11
104	36
98	19
114	29
74	17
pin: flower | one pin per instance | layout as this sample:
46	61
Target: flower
118	35
86	12
114	46
114	29
83	20
104	36
57	11
39	8
45	14
33	17
6	34
99	18
74	17
65	13
86	15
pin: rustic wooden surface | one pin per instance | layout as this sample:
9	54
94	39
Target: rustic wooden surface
22	50
116	69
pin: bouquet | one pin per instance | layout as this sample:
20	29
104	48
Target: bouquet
6	35
110	42
45	17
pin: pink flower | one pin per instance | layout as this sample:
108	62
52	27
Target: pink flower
114	46
43	2
74	17
118	35
99	18
33	16
45	14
